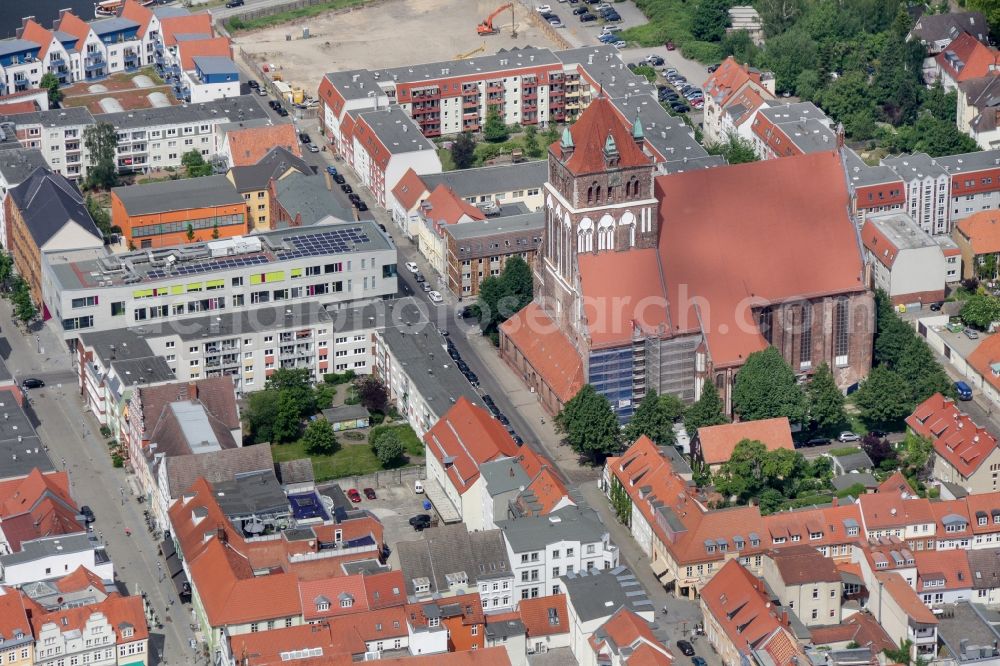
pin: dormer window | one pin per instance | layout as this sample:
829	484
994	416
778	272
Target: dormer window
882	564
815	535
322	606
346	601
433	622
982	520
852	531
127	632
779	540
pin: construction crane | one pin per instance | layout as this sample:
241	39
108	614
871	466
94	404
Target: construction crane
463	56
487	27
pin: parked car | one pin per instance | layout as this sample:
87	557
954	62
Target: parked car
971	333
543	8
354	495
282	112
362	206
87	513
420	277
611	28
654	60
304	138
340	180
667	71
313	148
685	648
611	16
435	296
587	18
253	84
420	521
936	307
262	92
712	68
818	441
556	22
848	436
878	433
698	661
32	383
608	39
370	493
412	267
620	44
678	107
331	170
347	189
273	104
234	3
580	10
963	390
426	286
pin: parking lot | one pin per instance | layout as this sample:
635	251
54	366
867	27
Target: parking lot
394	506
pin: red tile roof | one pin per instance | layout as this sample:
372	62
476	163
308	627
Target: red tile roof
133	11
717	443
547	349
976	58
904	596
741	607
248	145
443	207
334	592
35	32
800	564
729	79
120	612
466	437
79	579
936	565
590	135
880	245
982	229
491	656
896	483
607	277
14	607
984	357
385	589
957	439
409	190
630	637
265	648
72	24
36	506
215	46
190	24
537	614
731	239
469	606
14	108
891	510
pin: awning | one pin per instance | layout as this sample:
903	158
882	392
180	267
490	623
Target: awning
659	567
181	584
174	566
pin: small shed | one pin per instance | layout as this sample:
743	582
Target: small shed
347	417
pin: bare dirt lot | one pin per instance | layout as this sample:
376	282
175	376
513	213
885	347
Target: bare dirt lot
387	34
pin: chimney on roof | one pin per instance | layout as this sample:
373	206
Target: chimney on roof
840	135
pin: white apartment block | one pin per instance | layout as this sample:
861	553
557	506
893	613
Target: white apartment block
542	549
338	265
54	557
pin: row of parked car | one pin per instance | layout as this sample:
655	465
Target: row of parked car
680	95
347	189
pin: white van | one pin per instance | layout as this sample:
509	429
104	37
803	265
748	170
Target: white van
418	487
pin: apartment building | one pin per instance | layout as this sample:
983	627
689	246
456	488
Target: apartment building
58	134
905	261
542	549
19	642
16	165
347	265
112	632
477	250
173	212
805	582
733	85
253	181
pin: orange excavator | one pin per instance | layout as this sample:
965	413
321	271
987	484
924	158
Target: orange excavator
487	27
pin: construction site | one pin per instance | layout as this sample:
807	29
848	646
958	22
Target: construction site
392	33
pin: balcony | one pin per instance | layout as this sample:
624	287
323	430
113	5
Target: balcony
132	60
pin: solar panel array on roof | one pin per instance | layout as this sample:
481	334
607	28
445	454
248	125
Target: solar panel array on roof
328	242
209	266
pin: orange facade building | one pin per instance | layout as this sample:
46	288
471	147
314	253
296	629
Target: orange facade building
175	212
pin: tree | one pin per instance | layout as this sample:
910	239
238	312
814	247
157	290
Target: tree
531	146
24	308
259	415
735	149
287	422
551	135
388	448
99	215
519	281
463	151
991	10
921	371
319	438
742	476
101	142
373	393
766	388
940	104
877	448
892	335
849	100
6	269
190	232
826	402
494	129
654	418
296	383
883	397
980	310
195	164
916	456
931	135
706	411
645	71
51	83
589	424
710	19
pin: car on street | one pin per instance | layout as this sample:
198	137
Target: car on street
370	493
87	513
543	8
686	648
963	390
304	138
698	661
32	383
331	170
339	179
435	296
362	206
354	495
848	436
587	18
654	60
620	44
412	267
347	189
234	3
313	148
971	333
427	286
878	433
420	277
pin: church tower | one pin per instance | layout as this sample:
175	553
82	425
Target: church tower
599	198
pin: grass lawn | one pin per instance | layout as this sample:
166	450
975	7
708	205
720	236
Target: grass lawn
411	443
349	460
237	24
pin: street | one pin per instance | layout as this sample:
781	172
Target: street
72	436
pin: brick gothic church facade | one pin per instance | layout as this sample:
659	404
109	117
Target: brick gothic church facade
652	282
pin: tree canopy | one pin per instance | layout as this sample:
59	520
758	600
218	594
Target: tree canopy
101	142
502	296
50	82
463	151
388	448
826	402
735	149
708	410
766	388
655	418
195	164
589	425
494	129
981	310
883	397
319	438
